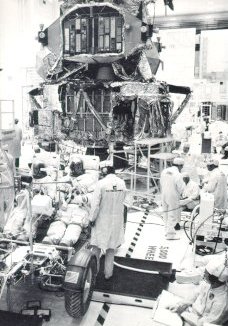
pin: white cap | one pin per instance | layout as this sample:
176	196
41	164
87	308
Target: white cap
76	159
186	145
5	147
185	174
213	162
178	161
106	163
218	266
226	148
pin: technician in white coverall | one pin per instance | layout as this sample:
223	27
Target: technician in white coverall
7	193
15	144
216	184
190	196
107	215
190	163
209	303
172	187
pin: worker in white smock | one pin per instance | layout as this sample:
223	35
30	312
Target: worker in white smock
106	215
215	183
190	163
7	194
225	156
201	127
219	141
190	196
172	187
223	162
209	304
15	144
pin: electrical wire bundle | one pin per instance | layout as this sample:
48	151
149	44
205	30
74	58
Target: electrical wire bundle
202	249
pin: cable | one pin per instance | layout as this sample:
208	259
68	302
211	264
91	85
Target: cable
189	236
193	237
216	243
202	224
171	210
191	226
160	215
185	231
219	252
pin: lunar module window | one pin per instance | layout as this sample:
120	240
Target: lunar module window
92	30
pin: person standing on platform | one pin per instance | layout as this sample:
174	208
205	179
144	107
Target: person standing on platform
172	187
107	215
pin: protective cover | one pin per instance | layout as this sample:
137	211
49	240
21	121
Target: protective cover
42	204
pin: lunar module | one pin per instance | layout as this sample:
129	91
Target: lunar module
98	62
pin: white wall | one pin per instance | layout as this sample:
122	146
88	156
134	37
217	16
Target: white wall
178	56
19	25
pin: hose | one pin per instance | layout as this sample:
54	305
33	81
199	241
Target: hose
220	226
185	231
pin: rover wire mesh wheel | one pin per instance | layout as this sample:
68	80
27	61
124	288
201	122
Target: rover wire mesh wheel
77	302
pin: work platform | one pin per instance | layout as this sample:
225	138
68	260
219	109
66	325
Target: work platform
135	282
149	157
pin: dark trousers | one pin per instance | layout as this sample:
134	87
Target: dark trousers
17	162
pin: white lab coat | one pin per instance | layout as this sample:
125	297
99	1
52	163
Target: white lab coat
220	141
172	187
217	185
107	212
202	127
190	166
15	144
19	216
210	305
191	195
7	193
223	166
